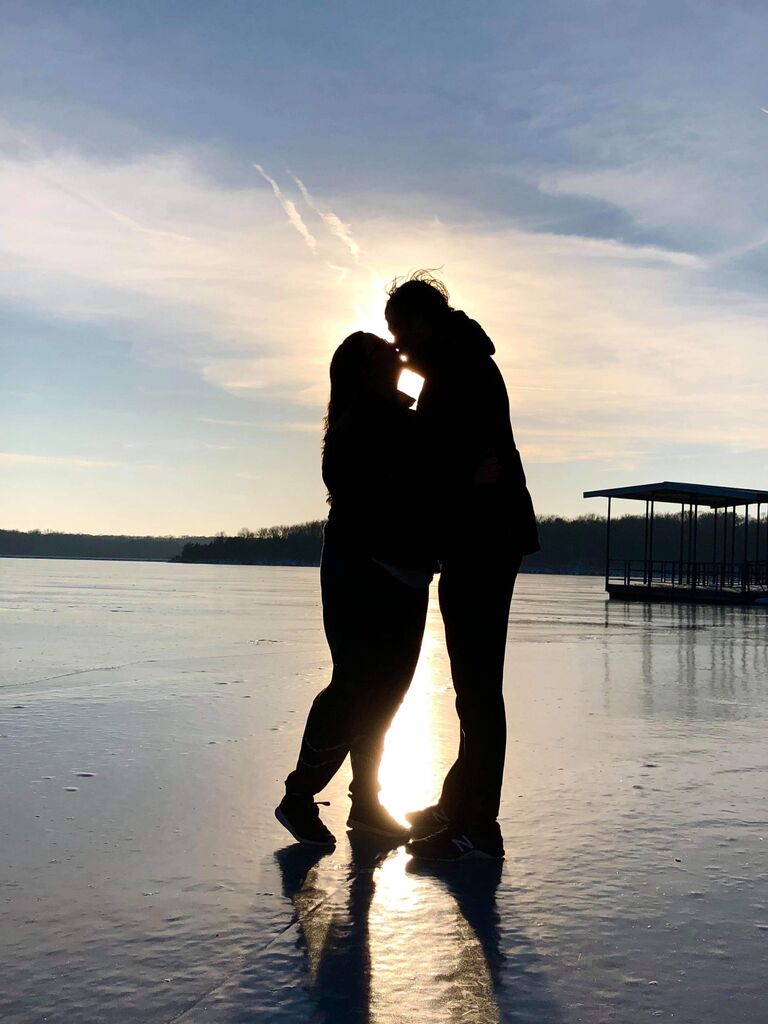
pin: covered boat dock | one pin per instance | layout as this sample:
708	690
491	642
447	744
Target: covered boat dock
733	569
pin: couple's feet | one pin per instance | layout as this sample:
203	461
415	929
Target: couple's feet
455	843
300	815
435	838
431	836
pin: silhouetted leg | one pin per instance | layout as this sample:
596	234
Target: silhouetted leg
326	739
345	584
475	596
374	626
402	612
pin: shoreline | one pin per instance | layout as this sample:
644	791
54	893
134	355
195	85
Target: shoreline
537	571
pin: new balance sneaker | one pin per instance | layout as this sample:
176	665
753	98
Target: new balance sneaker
299	814
427	822
375	820
455	843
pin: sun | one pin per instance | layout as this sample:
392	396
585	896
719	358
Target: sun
410	383
369	317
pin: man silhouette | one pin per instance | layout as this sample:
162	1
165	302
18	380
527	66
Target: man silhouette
485	526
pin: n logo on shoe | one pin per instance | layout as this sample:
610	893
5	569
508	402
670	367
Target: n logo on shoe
462	843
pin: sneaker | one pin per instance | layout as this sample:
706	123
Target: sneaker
427	822
455	843
299	814
375	820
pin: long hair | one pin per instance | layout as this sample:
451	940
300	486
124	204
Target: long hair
350	374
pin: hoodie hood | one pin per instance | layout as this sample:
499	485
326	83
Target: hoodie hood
468	336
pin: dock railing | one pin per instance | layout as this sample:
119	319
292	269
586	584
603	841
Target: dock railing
710	577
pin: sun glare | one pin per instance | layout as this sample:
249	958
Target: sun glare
410	770
372	322
410	383
369	312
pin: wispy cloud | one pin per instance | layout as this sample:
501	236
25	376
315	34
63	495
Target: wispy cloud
613	242
334	223
289	208
116	215
584	327
270	425
24	459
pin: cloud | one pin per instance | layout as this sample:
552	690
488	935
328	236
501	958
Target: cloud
335	225
593	186
270	425
116	215
23	459
293	215
212	278
636	341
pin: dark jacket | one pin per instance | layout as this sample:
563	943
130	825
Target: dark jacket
465	411
379	486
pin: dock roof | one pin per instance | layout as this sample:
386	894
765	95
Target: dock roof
680	494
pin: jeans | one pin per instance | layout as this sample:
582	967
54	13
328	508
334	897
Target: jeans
374	625
475	596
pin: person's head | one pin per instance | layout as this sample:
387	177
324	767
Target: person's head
363	365
415	312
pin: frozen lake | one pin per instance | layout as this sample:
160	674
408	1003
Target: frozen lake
149	712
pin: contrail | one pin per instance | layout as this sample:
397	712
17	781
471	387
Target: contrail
121	218
343	272
289	208
334	223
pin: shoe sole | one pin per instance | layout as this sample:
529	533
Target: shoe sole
469	855
325	844
439	823
420	830
371	830
424	831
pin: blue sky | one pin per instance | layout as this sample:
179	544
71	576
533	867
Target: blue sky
590	176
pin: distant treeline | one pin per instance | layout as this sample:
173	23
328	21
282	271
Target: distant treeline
579	545
567	545
274	545
49	544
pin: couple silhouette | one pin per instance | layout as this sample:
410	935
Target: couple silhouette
413	492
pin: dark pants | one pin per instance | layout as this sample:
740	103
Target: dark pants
374	625
475	596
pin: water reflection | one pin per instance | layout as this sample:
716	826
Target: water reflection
396	942
334	937
384	940
695	661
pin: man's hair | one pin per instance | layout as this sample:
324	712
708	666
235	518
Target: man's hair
419	294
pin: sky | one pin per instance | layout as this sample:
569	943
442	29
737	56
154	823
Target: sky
199	201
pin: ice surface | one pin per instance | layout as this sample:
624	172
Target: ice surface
144	878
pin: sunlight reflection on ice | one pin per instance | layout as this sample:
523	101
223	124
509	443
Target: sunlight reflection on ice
428	961
417	927
414	759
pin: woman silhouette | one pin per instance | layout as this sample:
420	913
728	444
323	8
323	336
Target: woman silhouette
375	573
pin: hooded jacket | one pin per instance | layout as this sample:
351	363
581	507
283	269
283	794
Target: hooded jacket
465	411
